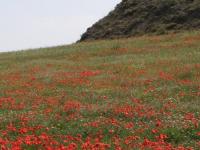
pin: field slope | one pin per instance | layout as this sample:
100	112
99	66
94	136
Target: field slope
136	93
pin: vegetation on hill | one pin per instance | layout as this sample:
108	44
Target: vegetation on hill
138	17
137	93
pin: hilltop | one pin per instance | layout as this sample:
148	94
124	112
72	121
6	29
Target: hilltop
139	17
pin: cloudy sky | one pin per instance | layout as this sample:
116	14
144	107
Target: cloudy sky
38	23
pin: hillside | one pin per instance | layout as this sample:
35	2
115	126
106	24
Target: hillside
138	17
136	93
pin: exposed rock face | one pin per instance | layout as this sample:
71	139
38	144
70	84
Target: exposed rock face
138	17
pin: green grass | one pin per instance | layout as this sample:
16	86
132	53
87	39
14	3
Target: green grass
92	89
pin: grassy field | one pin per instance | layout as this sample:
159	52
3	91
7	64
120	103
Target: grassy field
137	93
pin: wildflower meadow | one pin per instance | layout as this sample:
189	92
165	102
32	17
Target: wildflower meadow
127	94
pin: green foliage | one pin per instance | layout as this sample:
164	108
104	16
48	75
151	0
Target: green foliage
179	136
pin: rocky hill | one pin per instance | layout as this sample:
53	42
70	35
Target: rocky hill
138	17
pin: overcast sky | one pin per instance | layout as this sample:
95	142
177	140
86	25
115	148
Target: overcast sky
38	23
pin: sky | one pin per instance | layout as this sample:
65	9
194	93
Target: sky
27	24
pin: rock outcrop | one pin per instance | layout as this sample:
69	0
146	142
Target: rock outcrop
139	17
